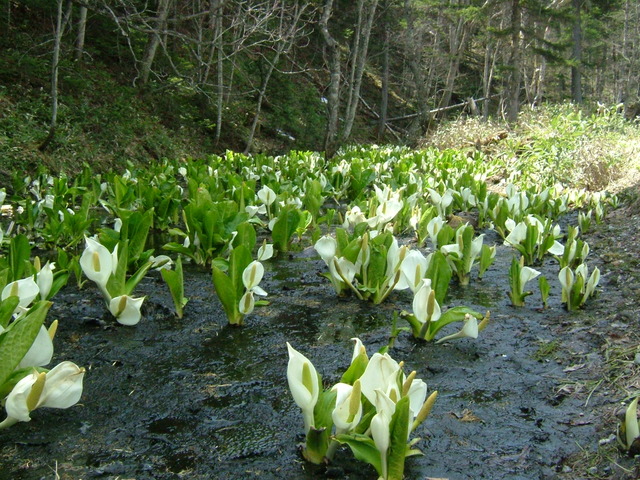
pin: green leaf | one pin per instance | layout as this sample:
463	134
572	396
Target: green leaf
545	288
342	240
318	437
139	226
117	282
487	256
246	236
175	281
7	307
285	227
19	255
356	369
398	429
16	340
227	295
313	199
455	314
179	248
131	283
445	235
60	279
363	448
316	445
239	259
439	272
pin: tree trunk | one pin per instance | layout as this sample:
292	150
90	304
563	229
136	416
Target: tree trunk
515	63
220	79
457	45
384	91
359	61
61	23
576	57
154	40
82	27
413	53
333	95
261	94
542	73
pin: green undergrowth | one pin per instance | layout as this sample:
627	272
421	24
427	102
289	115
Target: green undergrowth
102	122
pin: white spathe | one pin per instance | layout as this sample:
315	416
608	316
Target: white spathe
62	389
126	309
303	384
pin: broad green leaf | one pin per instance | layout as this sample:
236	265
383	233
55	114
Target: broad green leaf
313	198
398	430
285	227
7	307
60	279
246	236
355	370
138	232
363	448
227	295
455	314
175	281
19	256
131	283
16	340
439	272
117	282
239	259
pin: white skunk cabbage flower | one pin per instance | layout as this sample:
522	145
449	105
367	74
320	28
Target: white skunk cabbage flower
251	277
126	309
41	350
380	423
98	263
44	279
304	385
527	274
342	269
61	387
425	306
358	349
381	374
326	246
265	252
433	228
348	410
25	289
469	330
414	267
266	195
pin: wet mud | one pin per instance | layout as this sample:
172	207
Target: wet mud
197	399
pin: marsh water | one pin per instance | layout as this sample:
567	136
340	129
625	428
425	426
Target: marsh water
195	398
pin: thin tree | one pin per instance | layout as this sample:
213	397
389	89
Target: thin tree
576	57
62	17
154	40
333	95
366	14
82	28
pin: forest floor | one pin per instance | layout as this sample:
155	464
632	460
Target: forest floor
534	397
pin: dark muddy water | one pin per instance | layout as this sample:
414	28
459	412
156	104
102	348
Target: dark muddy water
197	399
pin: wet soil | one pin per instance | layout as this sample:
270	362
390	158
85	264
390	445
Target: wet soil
534	397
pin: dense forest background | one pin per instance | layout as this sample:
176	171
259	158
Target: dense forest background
105	81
